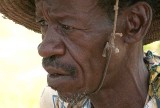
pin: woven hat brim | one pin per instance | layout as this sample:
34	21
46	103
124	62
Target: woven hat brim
153	33
23	13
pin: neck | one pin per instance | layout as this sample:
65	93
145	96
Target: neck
126	85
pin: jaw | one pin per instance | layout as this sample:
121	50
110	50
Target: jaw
69	87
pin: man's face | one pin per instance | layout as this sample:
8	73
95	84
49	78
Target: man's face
74	33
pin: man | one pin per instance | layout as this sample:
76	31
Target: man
88	61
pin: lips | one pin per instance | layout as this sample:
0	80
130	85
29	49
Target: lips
56	71
57	77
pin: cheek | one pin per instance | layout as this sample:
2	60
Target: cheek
96	66
93	65
86	51
93	72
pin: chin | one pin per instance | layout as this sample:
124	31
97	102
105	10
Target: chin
72	98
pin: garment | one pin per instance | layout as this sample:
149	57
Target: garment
153	65
50	98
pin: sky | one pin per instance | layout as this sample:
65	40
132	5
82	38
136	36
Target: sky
22	77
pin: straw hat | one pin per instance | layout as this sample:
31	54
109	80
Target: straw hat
23	12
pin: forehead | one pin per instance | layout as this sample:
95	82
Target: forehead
78	5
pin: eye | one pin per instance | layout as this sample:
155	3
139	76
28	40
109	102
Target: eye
42	22
66	27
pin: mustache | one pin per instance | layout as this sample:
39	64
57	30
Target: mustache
56	63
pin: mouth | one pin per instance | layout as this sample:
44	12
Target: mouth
56	72
58	81
57	77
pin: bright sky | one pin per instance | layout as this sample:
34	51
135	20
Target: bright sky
18	45
20	65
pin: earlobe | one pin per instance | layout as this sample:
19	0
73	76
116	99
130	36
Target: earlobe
138	20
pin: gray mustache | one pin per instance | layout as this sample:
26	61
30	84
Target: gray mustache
56	63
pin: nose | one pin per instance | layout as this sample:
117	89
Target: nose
52	44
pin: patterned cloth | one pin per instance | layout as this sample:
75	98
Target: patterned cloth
50	98
153	64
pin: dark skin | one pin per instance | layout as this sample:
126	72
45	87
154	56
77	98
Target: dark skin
75	33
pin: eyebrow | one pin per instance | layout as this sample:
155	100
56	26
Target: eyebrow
61	16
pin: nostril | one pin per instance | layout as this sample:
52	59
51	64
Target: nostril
50	49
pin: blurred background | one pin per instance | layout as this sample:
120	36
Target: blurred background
22	78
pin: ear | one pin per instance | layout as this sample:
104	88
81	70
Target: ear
138	20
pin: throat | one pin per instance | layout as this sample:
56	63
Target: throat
128	90
125	86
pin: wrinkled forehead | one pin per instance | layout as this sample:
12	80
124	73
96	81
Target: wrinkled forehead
79	5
